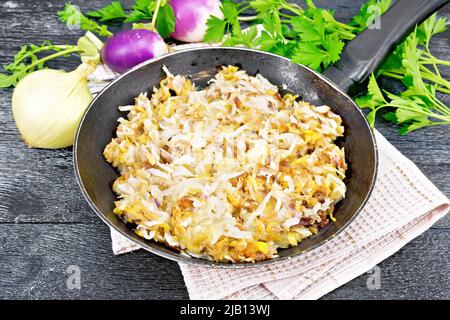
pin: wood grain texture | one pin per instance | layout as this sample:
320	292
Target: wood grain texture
45	224
38	267
30	271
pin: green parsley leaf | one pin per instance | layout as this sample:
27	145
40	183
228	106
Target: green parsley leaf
334	46
319	55
375	91
368	13
371	117
165	21
310	55
28	55
247	38
141	10
372	100
26	60
230	10
303	27
416	107
215	29
265	5
390	117
112	12
268	43
431	27
7	80
269	14
73	16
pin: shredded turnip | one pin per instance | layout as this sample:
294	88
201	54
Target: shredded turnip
219	169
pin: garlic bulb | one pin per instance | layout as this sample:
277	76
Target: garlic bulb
48	105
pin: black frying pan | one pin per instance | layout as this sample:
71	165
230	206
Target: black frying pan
360	57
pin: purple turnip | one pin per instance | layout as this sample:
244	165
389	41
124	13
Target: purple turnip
191	17
128	48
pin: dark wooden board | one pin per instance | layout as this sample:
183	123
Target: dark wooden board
45	224
37	268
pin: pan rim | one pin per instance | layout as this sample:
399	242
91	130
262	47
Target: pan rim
203	262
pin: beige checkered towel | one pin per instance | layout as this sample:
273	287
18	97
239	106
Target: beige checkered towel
403	205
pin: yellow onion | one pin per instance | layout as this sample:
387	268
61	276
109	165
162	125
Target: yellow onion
48	105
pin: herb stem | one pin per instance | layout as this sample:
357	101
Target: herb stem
429	113
443	90
382	106
155	14
433	60
47	58
441	122
107	33
244	8
346	35
247	18
295	5
427	47
345	26
293	8
345	30
438	104
442	62
429	75
49	47
392	75
443	85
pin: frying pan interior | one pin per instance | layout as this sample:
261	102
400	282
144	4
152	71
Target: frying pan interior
100	122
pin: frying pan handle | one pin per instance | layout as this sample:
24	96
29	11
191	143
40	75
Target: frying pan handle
368	50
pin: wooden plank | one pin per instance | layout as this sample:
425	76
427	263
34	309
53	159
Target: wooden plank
37	267
418	271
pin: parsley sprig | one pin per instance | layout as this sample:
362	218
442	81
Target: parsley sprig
72	15
310	36
110	13
114	12
34	57
395	68
368	13
418	106
159	12
26	61
313	37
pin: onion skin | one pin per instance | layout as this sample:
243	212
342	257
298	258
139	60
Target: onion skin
191	17
48	105
128	48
